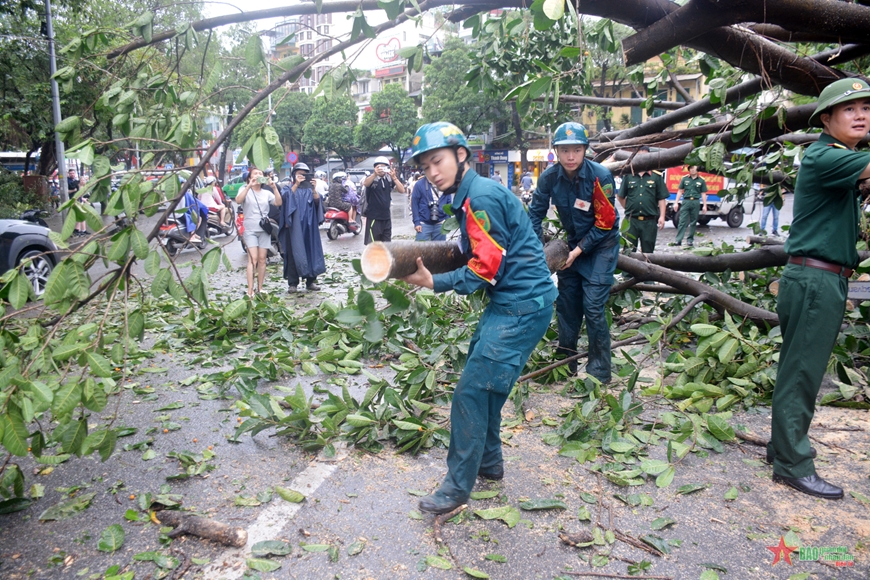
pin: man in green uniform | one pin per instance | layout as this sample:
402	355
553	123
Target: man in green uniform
692	188
813	287
644	198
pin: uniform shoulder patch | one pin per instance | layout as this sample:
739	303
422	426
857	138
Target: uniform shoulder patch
482	219
608	189
659	173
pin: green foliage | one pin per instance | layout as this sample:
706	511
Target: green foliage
447	97
392	122
331	125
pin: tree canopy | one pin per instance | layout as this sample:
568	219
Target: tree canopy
330	128
391	123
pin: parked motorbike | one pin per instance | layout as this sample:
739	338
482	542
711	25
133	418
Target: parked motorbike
340	223
34	216
271	252
174	236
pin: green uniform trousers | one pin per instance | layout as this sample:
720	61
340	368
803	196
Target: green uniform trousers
497	353
689	211
643	231
810	306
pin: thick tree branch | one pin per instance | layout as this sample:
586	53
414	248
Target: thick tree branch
616	102
682	283
838	21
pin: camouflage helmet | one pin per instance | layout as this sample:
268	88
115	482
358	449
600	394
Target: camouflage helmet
571	133
838	92
435	136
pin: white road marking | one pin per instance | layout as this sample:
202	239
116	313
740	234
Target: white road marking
230	565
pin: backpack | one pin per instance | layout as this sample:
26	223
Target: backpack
363	200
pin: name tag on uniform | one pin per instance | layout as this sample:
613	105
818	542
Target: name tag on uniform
582	205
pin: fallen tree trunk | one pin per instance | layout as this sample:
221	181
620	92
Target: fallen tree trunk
652	272
202	527
764	257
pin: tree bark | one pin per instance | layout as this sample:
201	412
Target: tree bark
203	528
765	257
686	285
618	102
838	21
382	260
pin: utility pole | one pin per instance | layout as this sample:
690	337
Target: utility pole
55	108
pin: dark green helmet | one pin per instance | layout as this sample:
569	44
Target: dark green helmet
838	92
571	133
435	136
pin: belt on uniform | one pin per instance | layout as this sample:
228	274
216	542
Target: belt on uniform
820	265
644	217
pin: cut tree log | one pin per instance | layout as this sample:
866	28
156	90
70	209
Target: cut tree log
202	527
382	260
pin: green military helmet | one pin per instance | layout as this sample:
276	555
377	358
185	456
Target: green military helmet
435	136
837	92
571	133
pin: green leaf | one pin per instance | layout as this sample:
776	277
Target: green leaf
690	488
19	290
52	459
15	434
261	565
704	329
68	508
111	539
475	573
508	514
16	504
290	495
666	477
861	497
719	428
65	399
315	547
211	261
235	310
271	548
260	152
543	504
496	558
661	523
439	562
100	365
731	494
654	466
728	350
359	421
554	9
140	245
255	56
478	495
356	548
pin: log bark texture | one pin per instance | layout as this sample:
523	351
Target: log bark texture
382	260
203	528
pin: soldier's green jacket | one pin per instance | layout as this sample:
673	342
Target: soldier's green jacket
826	211
642	194
693	188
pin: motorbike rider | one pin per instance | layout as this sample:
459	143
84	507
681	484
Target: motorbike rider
212	198
338	198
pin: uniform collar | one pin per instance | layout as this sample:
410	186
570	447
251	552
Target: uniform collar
829	139
583	172
464	187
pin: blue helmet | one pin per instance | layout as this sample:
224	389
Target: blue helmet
571	133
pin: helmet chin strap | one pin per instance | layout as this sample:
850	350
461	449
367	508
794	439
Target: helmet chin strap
460	171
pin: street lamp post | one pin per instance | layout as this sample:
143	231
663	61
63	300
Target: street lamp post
55	109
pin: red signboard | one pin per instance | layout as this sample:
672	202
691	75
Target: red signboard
715	183
390	71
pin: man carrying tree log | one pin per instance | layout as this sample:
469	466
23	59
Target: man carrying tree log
644	197
814	283
583	193
692	188
507	260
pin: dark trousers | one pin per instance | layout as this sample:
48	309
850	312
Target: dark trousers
290	271
497	353
643	231
579	298
378	231
810	305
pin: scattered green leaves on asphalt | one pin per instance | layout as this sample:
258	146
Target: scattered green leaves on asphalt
111	539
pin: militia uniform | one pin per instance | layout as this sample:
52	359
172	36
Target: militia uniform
585	205
693	189
641	195
506	259
812	291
